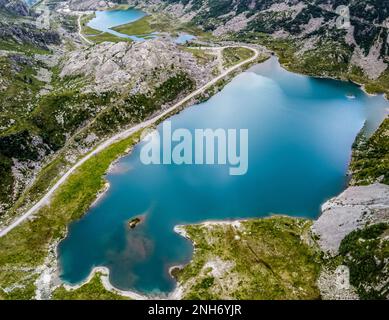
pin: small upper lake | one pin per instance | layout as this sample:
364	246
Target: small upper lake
104	21
301	130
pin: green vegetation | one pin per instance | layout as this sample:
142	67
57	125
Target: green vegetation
136	108
19	93
329	57
20	87
97	36
93	290
235	55
260	259
25	248
366	29
27	49
85	29
107	37
161	23
370	160
119	7
139	27
69	23
380	85
88	31
78	107
42	122
201	56
46	178
108	111
366	253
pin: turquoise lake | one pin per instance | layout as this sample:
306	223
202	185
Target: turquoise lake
106	20
301	130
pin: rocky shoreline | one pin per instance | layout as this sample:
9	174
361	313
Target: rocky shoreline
353	209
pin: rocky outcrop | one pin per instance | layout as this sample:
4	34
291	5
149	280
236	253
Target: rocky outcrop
83	5
335	284
117	65
14	7
372	64
353	234
235	24
353	209
28	34
317	25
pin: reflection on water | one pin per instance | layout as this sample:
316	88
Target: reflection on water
106	20
301	130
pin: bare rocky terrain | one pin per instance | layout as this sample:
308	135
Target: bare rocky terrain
80	5
348	218
14	7
353	209
120	65
340	50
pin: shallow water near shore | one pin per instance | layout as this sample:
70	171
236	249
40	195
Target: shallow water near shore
301	130
104	21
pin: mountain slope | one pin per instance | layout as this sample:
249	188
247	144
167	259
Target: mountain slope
14	7
60	98
308	35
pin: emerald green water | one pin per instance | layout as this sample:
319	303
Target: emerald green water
301	130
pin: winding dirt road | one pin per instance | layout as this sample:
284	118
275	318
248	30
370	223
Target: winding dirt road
80	31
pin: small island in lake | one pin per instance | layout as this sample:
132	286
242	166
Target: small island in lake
134	222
